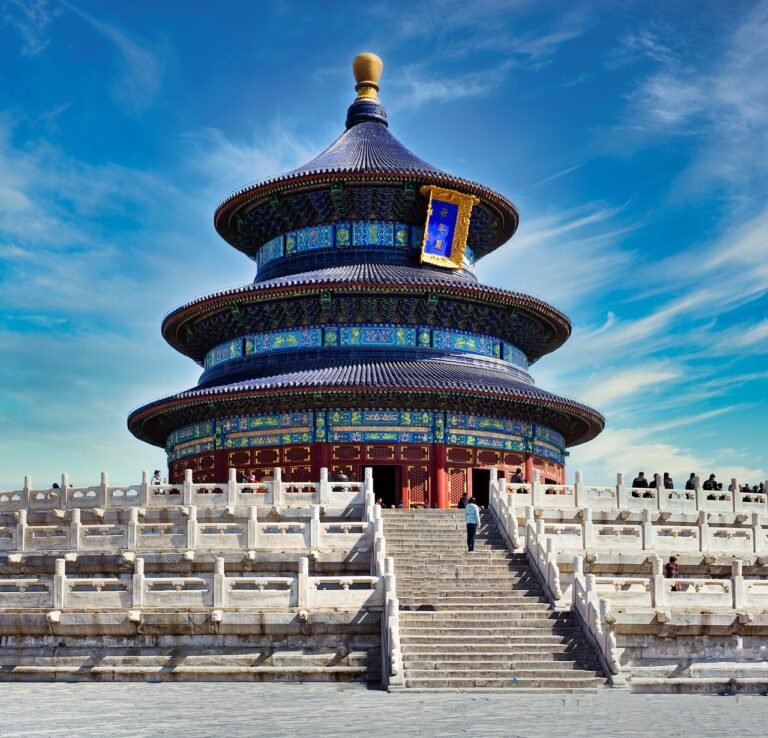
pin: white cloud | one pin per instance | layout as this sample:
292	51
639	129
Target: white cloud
30	19
141	65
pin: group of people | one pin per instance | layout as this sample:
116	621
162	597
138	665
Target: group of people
709	484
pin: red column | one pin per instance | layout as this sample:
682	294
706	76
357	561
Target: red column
441	496
529	469
321	457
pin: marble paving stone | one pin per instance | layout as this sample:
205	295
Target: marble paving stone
235	710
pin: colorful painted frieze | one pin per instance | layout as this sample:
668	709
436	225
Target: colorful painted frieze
542	433
378	335
223	353
373	233
190	432
548	451
183	450
282	340
271	250
261	422
491	424
514	355
380	417
473	343
343	235
315	237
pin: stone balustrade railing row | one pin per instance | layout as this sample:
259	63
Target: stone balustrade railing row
141	592
275	492
186	533
384	566
622	497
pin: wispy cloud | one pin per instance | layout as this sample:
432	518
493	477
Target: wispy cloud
141	64
30	19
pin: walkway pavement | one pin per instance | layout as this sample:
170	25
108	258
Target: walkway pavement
235	710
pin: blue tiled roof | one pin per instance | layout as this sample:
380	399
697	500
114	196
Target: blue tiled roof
438	375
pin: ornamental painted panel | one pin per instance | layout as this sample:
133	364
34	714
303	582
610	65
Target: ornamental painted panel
270	251
316	237
290	242
283	340
542	433
343	235
547	451
402	236
189	432
490	424
514	355
224	352
261	422
473	343
377	335
373	233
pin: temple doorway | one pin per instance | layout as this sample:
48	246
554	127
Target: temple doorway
386	485
481	479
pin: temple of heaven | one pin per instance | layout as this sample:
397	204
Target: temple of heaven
366	339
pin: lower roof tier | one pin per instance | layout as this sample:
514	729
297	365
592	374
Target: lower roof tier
439	384
371	293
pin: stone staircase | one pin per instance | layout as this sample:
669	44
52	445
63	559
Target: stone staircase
478	620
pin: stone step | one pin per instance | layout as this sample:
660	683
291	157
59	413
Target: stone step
440	618
533	636
477	606
485	660
518	650
492	671
558	684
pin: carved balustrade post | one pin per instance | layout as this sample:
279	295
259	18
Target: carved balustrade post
219	584
21	530
537	495
758	534
737	584
648	531
302	583
133	528
699	492
144	495
137	595
368	477
192	529
578	490
587	527
253	528
59	584
622	493
104	489
232	488
325	488
74	529
277	486
658	586
315	539
735	496
703	531
187	487
661	494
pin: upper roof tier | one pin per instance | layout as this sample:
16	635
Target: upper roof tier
365	174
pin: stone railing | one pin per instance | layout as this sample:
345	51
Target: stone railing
142	592
596	619
734	593
621	497
232	494
502	507
746	533
541	554
185	532
384	566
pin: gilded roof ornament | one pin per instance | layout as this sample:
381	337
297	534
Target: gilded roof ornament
367	68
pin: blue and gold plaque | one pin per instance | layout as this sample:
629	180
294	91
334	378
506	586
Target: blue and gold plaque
447	226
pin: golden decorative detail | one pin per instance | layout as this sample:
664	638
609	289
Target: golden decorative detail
367	68
465	204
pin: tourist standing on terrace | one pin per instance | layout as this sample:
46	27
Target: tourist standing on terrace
691	483
472	519
640	481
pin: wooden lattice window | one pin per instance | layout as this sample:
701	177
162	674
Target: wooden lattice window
457	484
488	458
296	453
345	453
515	460
266	456
239	458
414	453
418	482
380	453
459	455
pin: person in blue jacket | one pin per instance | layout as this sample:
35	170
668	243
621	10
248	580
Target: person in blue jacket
472	519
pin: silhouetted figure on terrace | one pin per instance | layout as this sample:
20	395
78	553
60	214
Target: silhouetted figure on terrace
667	481
517	477
640	481
462	501
710	483
691	483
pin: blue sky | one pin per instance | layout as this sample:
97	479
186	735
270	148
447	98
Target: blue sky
632	136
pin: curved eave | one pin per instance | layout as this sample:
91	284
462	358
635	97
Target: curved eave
302	285
260	193
429	381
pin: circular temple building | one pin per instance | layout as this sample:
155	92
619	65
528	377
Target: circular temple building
357	344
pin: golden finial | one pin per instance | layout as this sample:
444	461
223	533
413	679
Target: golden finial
367	69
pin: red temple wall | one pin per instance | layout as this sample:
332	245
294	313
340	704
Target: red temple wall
419	469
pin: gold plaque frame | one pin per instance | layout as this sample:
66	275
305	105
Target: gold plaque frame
465	204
